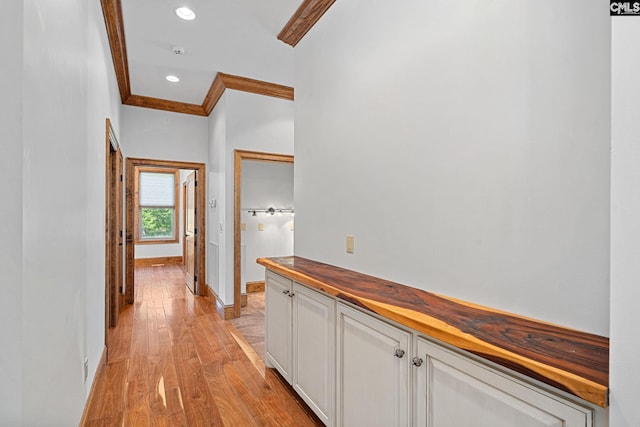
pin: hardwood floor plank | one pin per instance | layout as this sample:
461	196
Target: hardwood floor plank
137	395
159	421
115	421
174	362
232	410
206	352
112	396
138	418
157	398
120	338
199	406
178	420
155	321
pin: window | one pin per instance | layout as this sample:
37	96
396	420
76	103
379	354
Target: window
156	210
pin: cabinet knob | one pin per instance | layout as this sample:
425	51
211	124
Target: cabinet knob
291	295
286	292
417	361
399	353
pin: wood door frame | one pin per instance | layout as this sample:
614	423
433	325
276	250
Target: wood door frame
200	168
113	239
239	156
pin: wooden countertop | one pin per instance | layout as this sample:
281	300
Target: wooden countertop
574	361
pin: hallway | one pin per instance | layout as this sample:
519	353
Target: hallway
174	362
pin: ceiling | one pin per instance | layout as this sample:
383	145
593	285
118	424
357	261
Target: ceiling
237	37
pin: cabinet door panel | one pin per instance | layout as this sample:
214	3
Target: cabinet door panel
372	381
453	391
314	350
278	350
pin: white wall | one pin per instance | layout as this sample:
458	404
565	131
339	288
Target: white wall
103	100
625	224
465	145
264	185
11	213
216	188
162	135
251	122
55	104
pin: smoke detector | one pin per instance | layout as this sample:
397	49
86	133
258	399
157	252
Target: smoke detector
177	50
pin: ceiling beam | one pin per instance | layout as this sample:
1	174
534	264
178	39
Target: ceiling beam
309	12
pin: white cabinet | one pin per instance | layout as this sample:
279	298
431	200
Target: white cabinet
314	350
454	391
354	369
300	341
278	324
372	371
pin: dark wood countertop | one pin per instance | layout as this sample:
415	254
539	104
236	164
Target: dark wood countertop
574	361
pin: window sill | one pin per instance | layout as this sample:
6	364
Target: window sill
156	241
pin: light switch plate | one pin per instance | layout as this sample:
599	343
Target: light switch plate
260	227
243	227
349	244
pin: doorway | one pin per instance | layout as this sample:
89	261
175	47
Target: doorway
190	230
197	269
113	232
240	157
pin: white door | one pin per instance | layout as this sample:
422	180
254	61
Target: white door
189	197
454	391
314	350
278	349
372	371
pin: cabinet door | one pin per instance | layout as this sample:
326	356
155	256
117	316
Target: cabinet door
372	371
278	350
314	350
455	391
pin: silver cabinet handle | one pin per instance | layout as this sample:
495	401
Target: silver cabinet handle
399	353
417	361
286	292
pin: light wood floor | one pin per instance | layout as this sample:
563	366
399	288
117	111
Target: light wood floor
251	323
174	362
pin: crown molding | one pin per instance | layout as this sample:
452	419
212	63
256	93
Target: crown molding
112	11
213	95
165	104
258	87
309	12
224	81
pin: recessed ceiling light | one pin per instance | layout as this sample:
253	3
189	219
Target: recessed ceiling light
186	13
172	79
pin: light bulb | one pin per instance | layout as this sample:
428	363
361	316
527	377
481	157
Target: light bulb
186	13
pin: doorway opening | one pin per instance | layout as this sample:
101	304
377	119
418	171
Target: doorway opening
154	216
242	156
113	233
